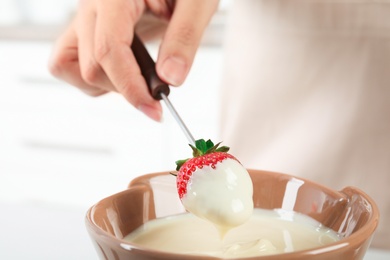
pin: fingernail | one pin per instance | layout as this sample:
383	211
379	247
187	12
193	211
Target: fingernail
174	70
151	112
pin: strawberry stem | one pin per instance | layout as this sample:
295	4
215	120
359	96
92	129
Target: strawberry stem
202	147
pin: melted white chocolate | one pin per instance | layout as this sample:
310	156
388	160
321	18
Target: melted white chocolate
222	195
267	232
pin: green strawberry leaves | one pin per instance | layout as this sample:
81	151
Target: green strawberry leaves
202	147
179	163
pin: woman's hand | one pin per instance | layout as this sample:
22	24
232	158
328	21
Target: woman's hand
94	52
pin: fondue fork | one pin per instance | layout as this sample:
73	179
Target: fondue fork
157	88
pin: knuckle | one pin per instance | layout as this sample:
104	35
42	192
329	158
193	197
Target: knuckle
102	50
90	73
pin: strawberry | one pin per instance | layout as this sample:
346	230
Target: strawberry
214	185
204	154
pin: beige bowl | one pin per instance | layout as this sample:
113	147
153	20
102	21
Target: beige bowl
349	212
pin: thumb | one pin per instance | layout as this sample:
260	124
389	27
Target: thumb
182	38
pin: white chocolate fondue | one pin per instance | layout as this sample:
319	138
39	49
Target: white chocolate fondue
267	232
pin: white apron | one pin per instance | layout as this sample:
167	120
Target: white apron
306	91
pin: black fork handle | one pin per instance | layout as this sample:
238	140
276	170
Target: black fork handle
148	69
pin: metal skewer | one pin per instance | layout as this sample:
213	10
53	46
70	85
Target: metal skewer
178	119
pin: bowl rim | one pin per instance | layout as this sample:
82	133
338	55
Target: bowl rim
355	238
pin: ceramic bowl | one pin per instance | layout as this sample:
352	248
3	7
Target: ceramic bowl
350	212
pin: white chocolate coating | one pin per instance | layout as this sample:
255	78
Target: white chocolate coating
222	195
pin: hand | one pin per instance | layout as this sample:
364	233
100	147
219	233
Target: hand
94	52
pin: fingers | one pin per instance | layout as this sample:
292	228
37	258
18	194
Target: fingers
64	64
160	8
182	38
113	37
94	53
90	69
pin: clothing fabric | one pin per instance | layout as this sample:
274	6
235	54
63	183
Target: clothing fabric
306	91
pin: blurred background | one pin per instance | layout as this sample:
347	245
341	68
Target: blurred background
62	151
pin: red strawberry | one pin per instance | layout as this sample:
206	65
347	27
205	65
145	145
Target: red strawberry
205	154
215	186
